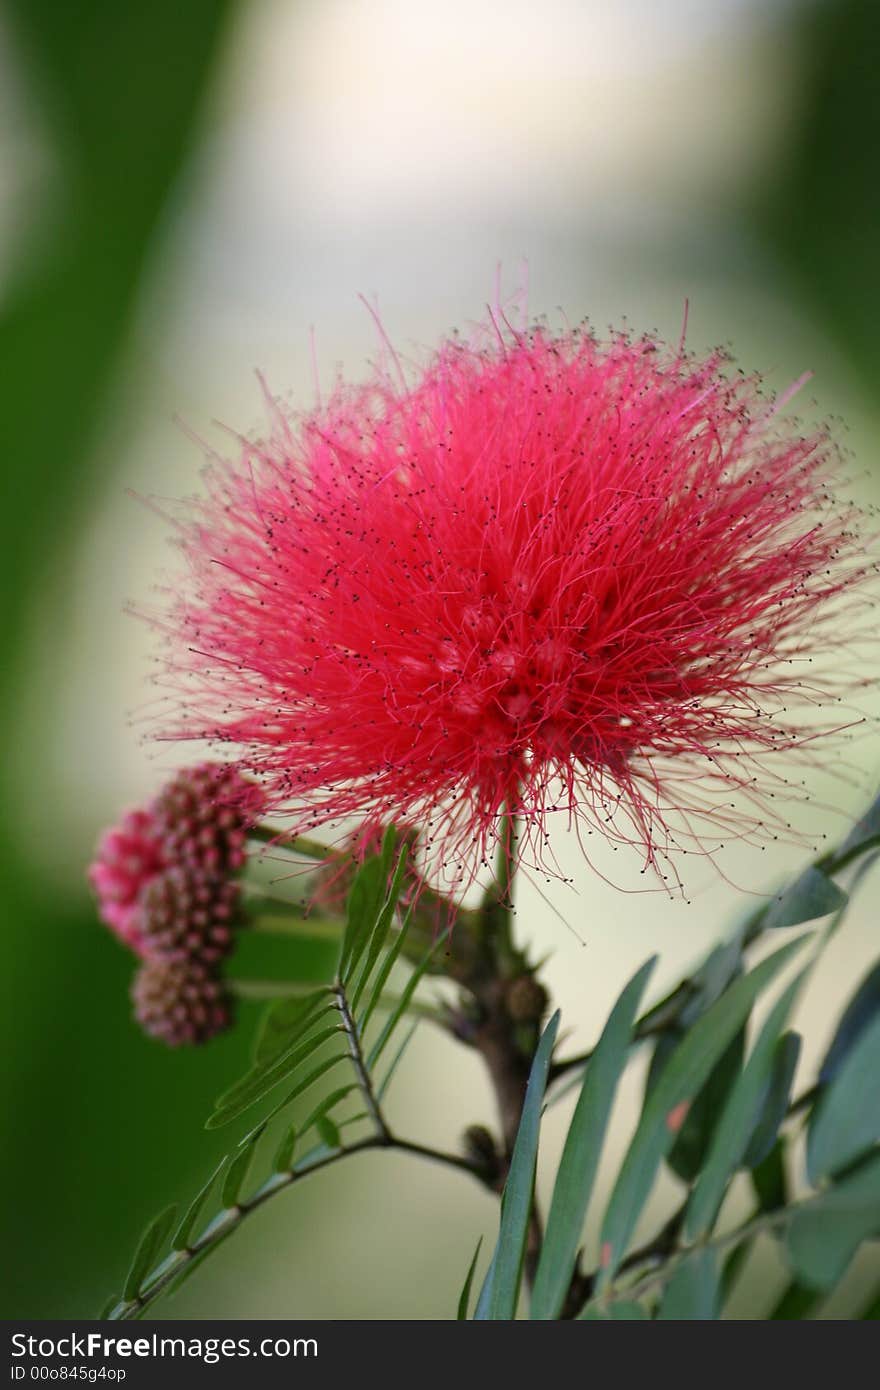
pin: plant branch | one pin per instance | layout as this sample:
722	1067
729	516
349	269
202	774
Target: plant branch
299	844
231	1218
765	1221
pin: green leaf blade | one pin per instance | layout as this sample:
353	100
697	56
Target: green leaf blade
693	1292
811	896
262	1079
148	1248
516	1205
737	1121
824	1234
846	1119
583	1147
464	1297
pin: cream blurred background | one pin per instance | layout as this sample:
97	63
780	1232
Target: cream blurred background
628	154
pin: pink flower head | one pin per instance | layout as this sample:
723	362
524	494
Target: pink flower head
544	573
128	858
163	876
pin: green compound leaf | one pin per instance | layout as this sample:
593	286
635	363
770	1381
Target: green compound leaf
583	1148
505	1272
263	1079
225	1116
680	1081
286	1022
812	895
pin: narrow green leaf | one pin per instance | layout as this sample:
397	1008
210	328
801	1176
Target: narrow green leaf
224	1116
688	1153
825	1233
583	1148
325	1105
861	1010
846	1118
381	980
681	1080
795	1304
623	1310
711	979
865	834
107	1308
329	1133
368	894
403	1002
379	934
692	1294
285	1021
283	1160
812	895
263	1079
150	1244
776	1100
516	1202
237	1167
731	1268
395	1062
738	1119
481	1312
181	1239
464	1297
770	1179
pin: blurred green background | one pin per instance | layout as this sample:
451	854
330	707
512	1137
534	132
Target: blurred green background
184	191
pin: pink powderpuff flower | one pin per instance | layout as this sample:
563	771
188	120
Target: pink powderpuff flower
543	573
128	858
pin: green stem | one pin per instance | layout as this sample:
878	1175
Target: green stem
300	989
305	928
300	844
